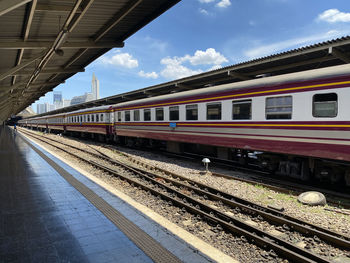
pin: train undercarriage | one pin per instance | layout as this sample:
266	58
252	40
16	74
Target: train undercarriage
296	167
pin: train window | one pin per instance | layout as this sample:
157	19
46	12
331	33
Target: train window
97	118
159	114
279	108
88	117
136	115
192	112
101	118
146	114
119	116
92	118
127	115
174	113
325	105
214	111
242	110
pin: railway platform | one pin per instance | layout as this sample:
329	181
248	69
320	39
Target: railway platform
49	212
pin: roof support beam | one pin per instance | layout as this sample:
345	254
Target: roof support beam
22	84
117	18
9	5
28	24
182	86
67	45
338	54
237	75
70	23
60	39
55	8
297	64
111	23
51	70
17	68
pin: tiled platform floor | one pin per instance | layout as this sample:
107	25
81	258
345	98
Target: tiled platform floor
44	219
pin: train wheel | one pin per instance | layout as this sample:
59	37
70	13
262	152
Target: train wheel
347	177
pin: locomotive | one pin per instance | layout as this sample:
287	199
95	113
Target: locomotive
295	125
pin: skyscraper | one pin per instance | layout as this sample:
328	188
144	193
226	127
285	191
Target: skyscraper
57	100
95	87
57	96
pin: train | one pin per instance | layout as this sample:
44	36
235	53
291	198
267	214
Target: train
295	125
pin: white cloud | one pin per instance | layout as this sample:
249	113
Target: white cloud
333	16
203	11
121	59
149	75
210	56
224	3
265	50
156	44
215	67
174	70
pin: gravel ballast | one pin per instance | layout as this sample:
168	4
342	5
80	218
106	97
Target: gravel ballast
263	196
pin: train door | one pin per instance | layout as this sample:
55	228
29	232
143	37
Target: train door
109	122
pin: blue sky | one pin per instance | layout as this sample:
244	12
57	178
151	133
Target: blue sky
200	35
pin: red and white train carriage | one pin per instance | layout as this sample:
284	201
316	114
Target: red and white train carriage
95	120
299	123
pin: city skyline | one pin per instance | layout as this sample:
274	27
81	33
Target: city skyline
58	101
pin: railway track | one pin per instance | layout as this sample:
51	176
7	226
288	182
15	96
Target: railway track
260	178
269	229
257	177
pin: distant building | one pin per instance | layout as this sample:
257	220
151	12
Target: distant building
44	107
81	99
51	107
57	96
66	103
57	100
89	96
95	87
41	108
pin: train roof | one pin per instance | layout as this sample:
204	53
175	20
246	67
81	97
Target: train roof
104	107
313	74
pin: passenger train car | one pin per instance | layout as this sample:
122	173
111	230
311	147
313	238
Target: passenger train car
297	124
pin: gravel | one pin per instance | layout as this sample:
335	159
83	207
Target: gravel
238	247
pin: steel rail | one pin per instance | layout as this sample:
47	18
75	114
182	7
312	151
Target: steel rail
274	216
214	215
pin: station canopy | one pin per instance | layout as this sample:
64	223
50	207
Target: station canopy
44	42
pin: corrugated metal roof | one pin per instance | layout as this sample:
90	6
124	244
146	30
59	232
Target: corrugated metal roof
33	34
324	54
